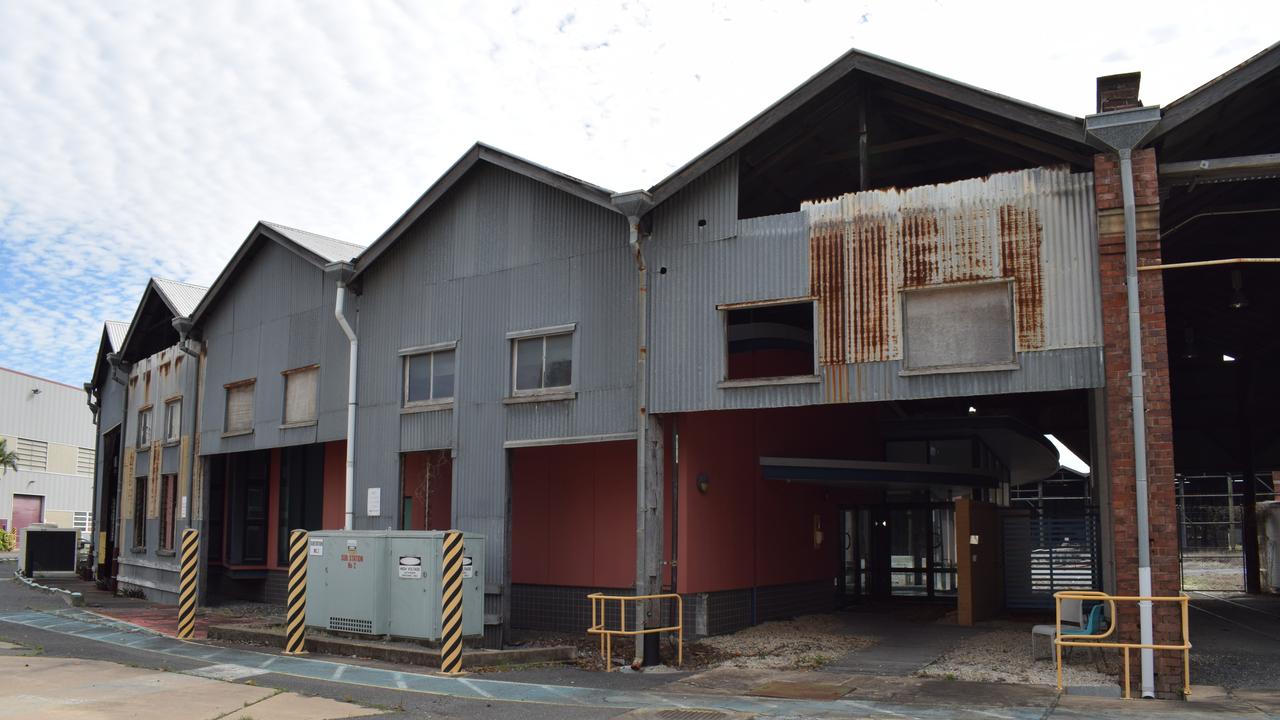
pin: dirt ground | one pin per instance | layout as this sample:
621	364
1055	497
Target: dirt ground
1003	655
805	642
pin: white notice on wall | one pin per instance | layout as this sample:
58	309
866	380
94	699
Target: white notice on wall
183	512
373	507
315	546
468	570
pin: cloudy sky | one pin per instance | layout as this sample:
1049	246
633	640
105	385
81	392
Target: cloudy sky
145	138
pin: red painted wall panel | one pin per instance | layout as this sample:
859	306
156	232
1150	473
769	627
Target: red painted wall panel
335	485
573	515
746	530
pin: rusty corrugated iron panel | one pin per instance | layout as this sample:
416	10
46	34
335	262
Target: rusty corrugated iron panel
865	248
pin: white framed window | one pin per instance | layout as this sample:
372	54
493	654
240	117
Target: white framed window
144	426
239	413
429	376
542	361
173	419
300	389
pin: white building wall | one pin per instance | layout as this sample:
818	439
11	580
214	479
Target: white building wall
51	427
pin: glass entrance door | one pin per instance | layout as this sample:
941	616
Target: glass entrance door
899	550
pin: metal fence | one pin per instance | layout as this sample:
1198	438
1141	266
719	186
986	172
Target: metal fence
1044	554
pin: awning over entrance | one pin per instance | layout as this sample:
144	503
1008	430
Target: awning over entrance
1026	452
840	472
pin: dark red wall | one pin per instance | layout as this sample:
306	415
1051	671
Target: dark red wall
573	515
335	485
746	530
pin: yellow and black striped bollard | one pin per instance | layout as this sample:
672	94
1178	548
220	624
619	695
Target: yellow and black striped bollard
187	582
451	605
295	626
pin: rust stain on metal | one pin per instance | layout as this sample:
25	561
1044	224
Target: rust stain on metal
1021	236
920	247
826	262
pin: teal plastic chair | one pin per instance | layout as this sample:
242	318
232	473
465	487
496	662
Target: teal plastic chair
1095	625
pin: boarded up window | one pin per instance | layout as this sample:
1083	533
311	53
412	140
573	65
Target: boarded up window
239	407
953	328
168	509
300	395
140	512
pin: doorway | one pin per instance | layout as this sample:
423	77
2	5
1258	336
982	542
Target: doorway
898	550
27	510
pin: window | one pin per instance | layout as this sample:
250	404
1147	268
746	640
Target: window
239	418
541	362
769	341
168	509
428	377
144	426
300	387
32	454
951	328
173	419
140	512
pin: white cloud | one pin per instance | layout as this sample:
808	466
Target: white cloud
146	138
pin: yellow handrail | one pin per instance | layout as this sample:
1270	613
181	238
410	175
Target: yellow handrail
1095	640
598	622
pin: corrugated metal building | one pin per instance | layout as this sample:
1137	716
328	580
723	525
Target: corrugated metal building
51	431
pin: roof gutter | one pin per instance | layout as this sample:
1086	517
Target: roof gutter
634	205
344	271
1122	131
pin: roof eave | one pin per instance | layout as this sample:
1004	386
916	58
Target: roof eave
1190	106
1056	124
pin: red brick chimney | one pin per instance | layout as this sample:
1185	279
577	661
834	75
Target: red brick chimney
1119	92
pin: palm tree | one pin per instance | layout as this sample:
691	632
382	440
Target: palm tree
8	458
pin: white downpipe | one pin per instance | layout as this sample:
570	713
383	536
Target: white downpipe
339	313
1139	421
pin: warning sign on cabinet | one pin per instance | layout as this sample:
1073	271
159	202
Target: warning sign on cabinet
468	570
410	567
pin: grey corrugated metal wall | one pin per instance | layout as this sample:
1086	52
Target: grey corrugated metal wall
768	258
500	253
276	316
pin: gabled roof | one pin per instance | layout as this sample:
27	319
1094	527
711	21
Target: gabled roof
1049	122
1216	90
178	299
181	297
480	153
113	335
318	250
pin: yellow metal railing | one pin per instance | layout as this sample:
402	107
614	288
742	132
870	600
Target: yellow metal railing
1100	640
599	621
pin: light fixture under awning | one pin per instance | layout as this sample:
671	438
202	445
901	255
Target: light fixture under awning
841	472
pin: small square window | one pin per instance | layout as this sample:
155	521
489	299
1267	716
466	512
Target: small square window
239	417
300	388
429	377
769	341
173	419
144	427
543	362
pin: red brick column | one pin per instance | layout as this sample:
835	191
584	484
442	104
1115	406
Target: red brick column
1165	579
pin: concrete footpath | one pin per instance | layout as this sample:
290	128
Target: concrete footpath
729	693
65	688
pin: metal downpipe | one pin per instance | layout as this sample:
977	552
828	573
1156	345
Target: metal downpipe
1136	373
1123	130
339	312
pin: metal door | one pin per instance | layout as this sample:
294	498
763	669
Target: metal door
27	510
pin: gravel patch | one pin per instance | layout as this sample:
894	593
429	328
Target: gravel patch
248	611
1004	656
809	641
